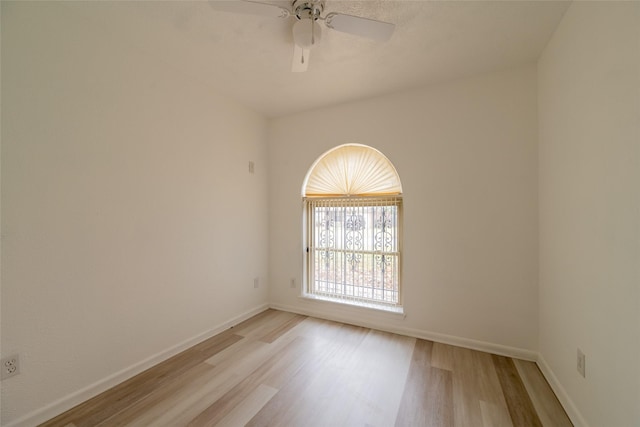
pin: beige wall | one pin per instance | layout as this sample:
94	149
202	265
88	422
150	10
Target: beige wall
589	110
130	223
466	155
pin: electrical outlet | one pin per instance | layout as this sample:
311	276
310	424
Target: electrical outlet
581	363
293	283
10	366
256	282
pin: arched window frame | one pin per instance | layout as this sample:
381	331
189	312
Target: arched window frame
354	192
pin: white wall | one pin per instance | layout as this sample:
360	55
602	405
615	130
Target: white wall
119	244
130	223
589	110
466	154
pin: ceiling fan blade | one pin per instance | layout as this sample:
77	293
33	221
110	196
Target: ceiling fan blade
364	27
300	61
250	8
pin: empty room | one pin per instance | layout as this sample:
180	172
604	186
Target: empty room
320	213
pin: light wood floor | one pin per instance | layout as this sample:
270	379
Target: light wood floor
283	369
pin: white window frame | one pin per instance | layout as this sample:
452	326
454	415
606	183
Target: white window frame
361	293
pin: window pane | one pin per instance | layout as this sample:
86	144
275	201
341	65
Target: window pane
354	249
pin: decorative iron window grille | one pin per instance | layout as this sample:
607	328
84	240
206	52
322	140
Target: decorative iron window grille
354	249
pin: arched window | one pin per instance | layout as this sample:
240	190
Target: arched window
353	223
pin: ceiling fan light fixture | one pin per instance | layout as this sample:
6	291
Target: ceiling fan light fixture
307	33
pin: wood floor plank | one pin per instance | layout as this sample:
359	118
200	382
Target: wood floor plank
442	356
129	392
238	350
153	406
255	321
378	371
270	320
542	397
278	331
242	413
186	408
413	406
309	387
428	395
233	364
249	358
231	369
347	389
521	410
474	380
278	368
494	415
325	330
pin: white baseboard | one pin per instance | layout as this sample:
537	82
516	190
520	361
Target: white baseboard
369	321
567	403
58	407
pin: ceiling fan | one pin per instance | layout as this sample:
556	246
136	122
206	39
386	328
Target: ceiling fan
307	32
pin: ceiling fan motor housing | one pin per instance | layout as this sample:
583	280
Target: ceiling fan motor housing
308	9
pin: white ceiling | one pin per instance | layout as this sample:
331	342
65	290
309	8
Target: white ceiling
249	57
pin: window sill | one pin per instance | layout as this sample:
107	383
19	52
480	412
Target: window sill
358	304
